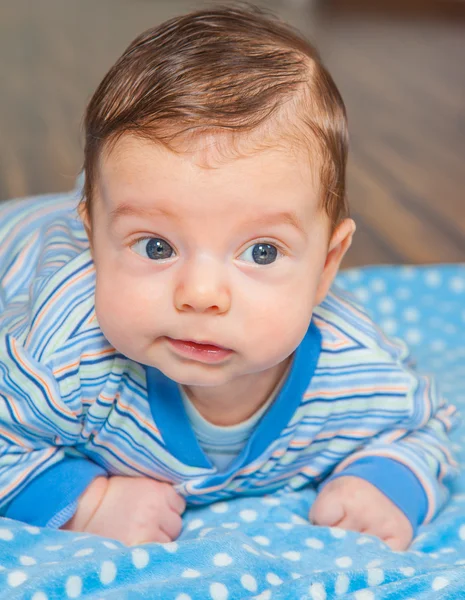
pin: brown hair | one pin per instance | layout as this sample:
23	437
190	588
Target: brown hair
226	70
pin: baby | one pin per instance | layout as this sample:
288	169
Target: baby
175	338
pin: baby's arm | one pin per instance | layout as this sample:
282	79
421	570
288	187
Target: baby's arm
409	466
133	510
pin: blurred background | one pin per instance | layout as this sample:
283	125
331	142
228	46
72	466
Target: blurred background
400	66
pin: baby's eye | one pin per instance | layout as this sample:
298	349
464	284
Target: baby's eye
261	253
153	248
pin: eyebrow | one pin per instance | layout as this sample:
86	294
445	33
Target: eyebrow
279	218
127	210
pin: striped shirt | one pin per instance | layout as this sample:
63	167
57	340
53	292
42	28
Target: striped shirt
73	408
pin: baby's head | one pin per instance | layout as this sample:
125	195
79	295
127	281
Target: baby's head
214	193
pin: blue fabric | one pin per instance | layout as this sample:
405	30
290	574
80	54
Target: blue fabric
395	480
53	492
264	547
179	437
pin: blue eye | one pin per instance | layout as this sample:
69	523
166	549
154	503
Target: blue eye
154	248
261	253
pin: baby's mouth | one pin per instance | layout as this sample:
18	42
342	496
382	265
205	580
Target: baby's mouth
200	351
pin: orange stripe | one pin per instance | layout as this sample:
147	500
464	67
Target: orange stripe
61	408
69	366
57	296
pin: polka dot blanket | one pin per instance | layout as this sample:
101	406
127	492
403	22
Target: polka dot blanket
265	548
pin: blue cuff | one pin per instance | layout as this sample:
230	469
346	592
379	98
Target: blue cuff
53	491
394	480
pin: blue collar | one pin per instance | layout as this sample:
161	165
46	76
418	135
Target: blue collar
171	419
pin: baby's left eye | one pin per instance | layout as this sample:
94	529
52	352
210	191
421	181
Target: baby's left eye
261	253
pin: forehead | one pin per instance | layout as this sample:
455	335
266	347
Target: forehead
209	171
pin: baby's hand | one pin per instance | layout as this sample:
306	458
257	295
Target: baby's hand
351	502
132	510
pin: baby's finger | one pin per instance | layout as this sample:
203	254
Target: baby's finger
327	511
171	525
175	501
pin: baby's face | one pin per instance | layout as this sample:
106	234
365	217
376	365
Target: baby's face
230	255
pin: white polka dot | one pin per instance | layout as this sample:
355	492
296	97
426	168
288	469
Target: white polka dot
183	597
317	591
230	525
222	559
314	543
266	595
205	531
457	284
140	558
353	275
460	562
250	549
437	345
262	540
433	278
39	596
337	532
109	545
375	576
107	572
344	562
54	548
195	524
413	336
16	578
27	561
190	574
32	529
439	583
374	563
170	547
403	293
386	305
269	501
407	571
407	272
273	579
389	325
296	575
74	586
364	540
248	515
342	584
411	314
378	285
364	595
284	526
218	591
219	507
462	532
362	294
291	555
299	520
249	583
84	552
6	535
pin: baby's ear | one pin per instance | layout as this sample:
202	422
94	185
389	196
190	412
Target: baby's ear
84	216
338	246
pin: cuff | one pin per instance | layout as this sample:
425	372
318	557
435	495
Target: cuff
394	480
52	495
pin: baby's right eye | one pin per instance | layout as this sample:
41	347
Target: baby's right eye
153	248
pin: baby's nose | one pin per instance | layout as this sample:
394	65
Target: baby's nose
202	287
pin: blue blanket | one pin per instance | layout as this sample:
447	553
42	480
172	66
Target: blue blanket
265	548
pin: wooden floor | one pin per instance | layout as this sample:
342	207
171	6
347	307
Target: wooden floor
403	80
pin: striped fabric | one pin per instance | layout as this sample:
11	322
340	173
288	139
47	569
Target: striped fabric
65	392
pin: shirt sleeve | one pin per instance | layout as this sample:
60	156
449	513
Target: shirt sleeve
412	462
40	481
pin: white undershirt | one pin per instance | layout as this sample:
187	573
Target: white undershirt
223	443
